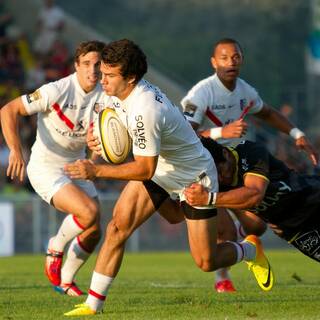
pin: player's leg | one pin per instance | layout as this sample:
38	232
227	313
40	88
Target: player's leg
83	213
171	211
209	256
133	207
78	253
250	224
226	232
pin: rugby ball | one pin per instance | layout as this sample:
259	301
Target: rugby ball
115	142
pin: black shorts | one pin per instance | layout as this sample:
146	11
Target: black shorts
158	195
307	239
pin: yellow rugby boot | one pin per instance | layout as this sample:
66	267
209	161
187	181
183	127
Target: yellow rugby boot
260	266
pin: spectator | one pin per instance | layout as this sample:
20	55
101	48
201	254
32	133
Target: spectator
50	24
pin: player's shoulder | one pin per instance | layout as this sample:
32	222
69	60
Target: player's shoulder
62	84
247	147
241	83
205	83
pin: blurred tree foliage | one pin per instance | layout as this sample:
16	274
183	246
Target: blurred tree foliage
178	35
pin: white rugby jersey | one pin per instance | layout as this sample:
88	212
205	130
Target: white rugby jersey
226	105
65	112
157	127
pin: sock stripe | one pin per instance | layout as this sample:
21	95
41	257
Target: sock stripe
242	250
82	246
78	223
97	295
242	232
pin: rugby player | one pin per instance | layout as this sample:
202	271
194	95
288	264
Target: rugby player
168	156
65	110
253	182
216	108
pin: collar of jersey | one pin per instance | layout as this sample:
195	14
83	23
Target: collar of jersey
235	175
125	104
223	87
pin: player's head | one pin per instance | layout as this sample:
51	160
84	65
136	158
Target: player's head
123	66
223	159
87	64
226	59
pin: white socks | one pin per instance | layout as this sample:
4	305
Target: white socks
222	274
69	229
245	251
99	287
76	257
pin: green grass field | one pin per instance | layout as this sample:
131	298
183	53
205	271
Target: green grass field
167	286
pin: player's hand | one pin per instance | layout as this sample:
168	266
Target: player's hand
303	144
235	129
81	169
196	195
16	166
93	142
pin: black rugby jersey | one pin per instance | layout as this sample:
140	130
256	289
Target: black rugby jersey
290	198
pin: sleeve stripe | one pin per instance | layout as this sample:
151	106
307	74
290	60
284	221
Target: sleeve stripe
256	174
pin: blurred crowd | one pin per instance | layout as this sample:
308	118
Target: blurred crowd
26	64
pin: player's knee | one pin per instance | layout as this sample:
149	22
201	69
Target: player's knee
90	214
206	264
258	229
116	233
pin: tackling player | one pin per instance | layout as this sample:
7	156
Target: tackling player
216	107
168	155
65	110
253	181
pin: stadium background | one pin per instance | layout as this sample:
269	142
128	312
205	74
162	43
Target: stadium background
280	42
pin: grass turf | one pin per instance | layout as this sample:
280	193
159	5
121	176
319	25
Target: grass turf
167	286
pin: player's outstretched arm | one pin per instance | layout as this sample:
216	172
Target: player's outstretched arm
304	144
248	196
278	121
9	122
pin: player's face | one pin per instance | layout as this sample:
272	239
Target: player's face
113	83
88	70
227	61
226	169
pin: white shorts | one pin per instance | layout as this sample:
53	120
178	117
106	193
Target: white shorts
47	177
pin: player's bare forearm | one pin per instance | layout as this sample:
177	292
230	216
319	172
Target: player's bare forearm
275	119
142	168
240	198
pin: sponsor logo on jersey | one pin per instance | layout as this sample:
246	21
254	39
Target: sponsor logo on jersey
139	133
219	107
81	125
243	103
309	242
190	110
271	200
34	96
97	107
244	164
70	106
72	134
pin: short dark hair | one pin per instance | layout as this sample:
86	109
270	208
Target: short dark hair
126	54
215	149
226	41
86	47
